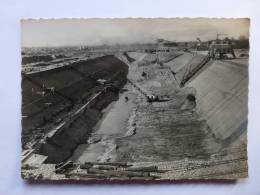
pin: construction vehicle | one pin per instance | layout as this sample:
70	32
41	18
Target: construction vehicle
155	98
152	98
219	49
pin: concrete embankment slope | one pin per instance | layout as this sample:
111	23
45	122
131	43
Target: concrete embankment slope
144	59
74	86
222	95
186	66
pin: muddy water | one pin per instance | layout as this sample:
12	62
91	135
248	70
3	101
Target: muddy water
112	125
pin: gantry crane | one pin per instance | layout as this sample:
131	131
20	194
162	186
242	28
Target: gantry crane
218	49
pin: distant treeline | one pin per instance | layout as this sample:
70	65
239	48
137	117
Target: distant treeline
241	44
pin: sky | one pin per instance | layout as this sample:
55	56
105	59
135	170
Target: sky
92	32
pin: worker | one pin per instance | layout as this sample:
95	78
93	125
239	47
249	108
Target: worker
52	90
143	74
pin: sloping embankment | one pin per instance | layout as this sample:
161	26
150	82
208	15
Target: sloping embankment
73	86
222	94
145	59
191	68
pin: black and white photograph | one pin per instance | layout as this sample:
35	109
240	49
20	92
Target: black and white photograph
134	99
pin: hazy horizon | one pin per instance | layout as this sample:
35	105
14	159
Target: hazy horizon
97	32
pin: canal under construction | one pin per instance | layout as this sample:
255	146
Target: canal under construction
137	115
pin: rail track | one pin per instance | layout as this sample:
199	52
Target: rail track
191	72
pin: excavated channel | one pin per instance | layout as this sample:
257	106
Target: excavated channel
113	125
56	123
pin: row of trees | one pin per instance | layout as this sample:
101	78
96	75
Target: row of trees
241	43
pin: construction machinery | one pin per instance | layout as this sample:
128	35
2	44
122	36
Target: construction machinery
219	49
